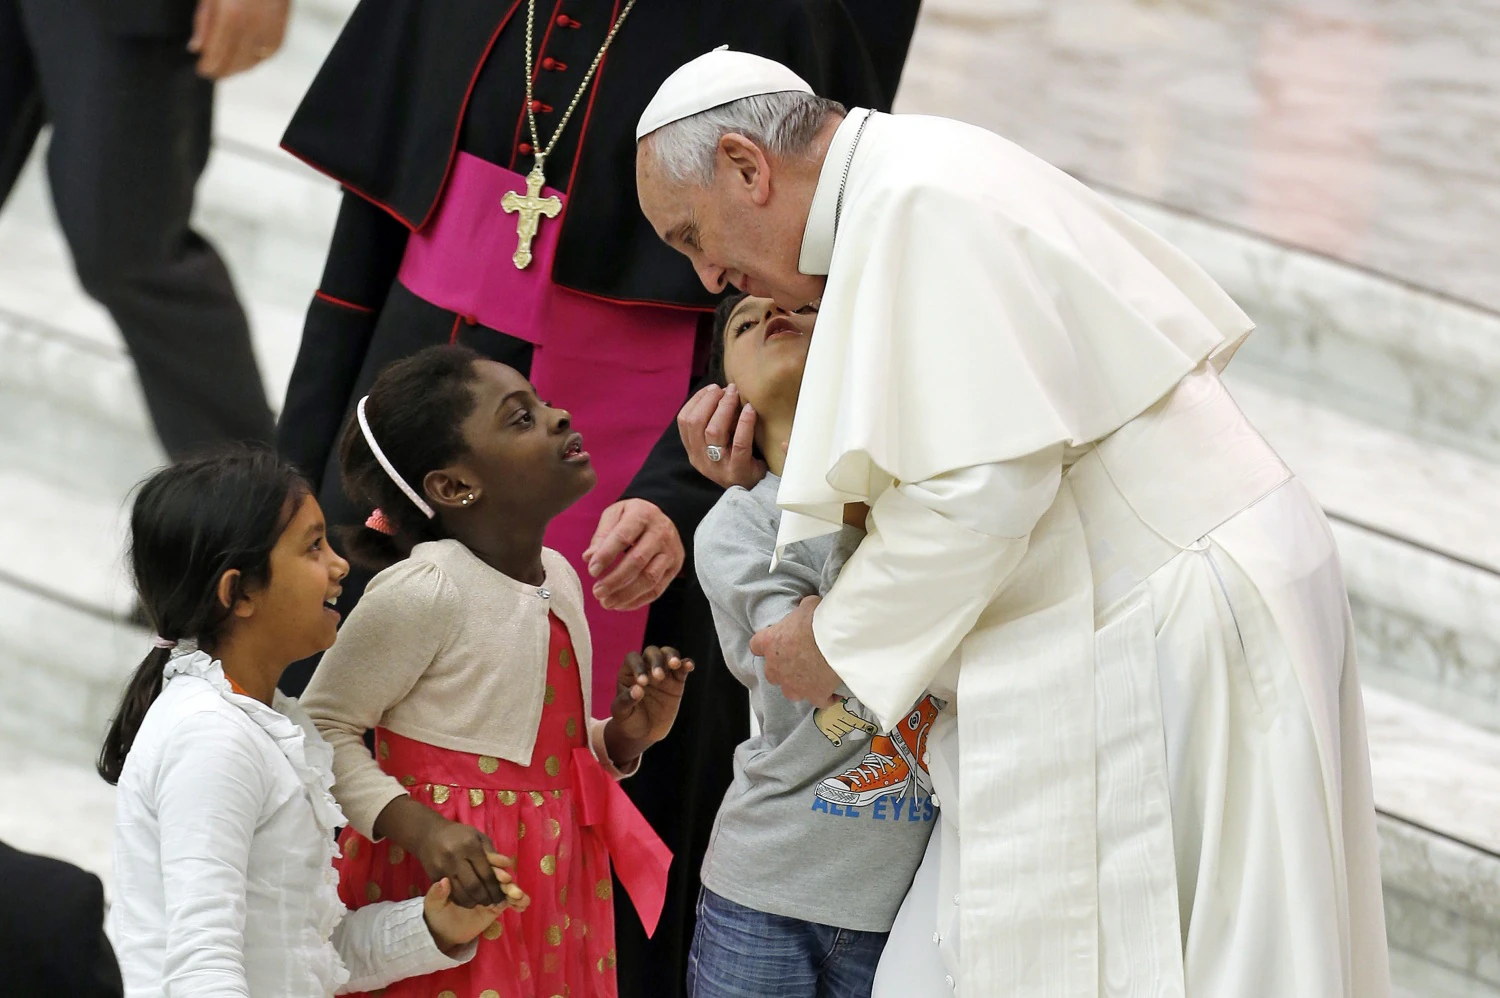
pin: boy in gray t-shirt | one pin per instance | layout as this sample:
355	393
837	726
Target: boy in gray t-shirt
826	821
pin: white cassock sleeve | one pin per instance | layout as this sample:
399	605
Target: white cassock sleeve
937	553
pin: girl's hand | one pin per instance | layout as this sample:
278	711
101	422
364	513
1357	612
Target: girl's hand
460	854
453	926
647	694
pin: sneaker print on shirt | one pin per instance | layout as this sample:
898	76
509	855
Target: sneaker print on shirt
893	767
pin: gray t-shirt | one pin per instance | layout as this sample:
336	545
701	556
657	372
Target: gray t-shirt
826	819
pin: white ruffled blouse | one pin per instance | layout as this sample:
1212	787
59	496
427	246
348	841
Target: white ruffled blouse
223	857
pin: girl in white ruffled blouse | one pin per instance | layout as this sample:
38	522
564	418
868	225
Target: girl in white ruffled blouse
224	844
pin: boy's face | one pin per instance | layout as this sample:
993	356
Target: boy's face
765	351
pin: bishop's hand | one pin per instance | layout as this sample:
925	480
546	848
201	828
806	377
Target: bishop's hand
793	660
714	418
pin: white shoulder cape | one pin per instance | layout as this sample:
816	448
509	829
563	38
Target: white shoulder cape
982	305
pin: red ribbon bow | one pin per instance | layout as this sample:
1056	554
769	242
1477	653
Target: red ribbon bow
641	859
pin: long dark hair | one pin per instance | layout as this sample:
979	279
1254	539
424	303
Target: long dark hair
416	410
191	523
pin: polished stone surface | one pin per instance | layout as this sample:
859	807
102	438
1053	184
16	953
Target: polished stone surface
1380	350
1363	130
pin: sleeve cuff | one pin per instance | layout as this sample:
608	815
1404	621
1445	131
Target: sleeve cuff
596	742
399	945
412	949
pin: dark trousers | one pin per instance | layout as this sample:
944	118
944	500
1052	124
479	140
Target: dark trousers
131	126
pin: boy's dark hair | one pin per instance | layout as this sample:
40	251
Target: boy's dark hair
190	523
416	409
716	348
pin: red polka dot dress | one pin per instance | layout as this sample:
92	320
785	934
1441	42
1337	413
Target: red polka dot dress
563	944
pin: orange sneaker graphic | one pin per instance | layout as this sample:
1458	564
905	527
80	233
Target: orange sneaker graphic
910	739
896	763
883	773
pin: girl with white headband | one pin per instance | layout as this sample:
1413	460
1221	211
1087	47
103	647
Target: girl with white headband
469	658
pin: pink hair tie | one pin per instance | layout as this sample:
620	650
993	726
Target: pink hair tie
379	522
157	641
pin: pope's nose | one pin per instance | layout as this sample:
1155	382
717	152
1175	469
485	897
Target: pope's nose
713	278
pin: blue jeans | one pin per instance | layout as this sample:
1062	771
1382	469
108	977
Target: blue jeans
739	952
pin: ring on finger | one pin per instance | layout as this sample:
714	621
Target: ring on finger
715	453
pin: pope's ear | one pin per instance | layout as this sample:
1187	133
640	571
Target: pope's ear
747	161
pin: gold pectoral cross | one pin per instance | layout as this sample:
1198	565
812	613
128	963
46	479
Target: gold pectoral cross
528	208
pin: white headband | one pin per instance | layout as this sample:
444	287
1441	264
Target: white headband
390	469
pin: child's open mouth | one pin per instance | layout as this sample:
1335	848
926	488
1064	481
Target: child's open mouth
573	451
781	326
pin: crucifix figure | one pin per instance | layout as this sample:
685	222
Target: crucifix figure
528	207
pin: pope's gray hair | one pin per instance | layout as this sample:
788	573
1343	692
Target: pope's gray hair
783	125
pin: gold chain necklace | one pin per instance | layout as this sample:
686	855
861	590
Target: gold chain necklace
529	207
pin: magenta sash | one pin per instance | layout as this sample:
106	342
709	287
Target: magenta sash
621	370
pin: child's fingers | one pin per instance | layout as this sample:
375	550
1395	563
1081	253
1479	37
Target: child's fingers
635	672
439	891
500	862
656	661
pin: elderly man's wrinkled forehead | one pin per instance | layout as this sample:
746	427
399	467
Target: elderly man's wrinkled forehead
668	203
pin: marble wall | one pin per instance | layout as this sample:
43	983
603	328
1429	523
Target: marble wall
1363	130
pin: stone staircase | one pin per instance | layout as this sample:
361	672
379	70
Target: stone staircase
1384	397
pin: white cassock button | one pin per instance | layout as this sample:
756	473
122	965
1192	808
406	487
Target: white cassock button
936	802
926	758
955	900
937	937
949	981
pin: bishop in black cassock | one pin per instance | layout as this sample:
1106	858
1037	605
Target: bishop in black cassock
413	88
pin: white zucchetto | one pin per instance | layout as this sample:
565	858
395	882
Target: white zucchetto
714	79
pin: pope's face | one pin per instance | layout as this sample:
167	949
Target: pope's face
740	230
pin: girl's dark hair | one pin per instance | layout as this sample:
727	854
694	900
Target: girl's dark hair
191	523
716	348
416	409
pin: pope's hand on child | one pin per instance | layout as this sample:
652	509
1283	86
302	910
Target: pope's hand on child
715	417
648	692
454	926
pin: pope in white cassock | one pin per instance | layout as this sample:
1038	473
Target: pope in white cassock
1152	770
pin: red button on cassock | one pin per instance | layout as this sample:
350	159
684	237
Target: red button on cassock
537	105
564	21
549	63
524	148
